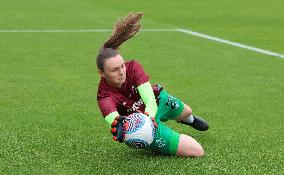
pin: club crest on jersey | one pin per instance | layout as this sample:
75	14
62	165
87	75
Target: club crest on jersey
133	90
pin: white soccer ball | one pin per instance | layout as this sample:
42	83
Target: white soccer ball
140	131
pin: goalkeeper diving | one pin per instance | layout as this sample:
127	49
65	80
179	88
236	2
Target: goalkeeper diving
125	89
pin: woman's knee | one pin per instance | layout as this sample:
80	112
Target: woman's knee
189	147
198	152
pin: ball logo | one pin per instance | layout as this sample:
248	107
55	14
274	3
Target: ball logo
140	131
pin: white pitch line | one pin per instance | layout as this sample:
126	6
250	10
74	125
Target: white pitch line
78	30
160	30
201	35
54	30
266	52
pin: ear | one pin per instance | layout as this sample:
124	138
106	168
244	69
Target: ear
101	73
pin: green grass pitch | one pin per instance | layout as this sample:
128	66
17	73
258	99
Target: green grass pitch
49	119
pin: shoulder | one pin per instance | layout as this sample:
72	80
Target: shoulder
103	90
135	73
132	63
133	66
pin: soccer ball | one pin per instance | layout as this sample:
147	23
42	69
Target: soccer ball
140	131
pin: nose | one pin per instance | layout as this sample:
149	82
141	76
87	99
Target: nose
120	72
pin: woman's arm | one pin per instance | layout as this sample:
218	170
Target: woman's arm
110	117
108	108
147	95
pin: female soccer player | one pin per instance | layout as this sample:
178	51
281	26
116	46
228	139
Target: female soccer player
124	88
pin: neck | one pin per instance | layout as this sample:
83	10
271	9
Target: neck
114	85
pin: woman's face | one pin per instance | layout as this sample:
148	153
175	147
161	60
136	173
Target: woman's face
114	71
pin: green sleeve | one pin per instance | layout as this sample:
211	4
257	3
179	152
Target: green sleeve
110	118
146	92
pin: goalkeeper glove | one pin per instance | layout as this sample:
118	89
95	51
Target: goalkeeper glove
118	128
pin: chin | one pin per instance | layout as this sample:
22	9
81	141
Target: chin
120	82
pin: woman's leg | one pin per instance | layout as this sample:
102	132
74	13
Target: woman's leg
189	147
194	121
187	111
170	142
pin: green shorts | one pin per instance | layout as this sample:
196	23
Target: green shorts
166	140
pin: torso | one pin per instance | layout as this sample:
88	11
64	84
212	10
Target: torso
126	99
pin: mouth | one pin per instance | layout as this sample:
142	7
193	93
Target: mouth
122	78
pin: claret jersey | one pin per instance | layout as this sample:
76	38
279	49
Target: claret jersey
124	100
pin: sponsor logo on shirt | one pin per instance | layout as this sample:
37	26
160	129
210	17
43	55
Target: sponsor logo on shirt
135	106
